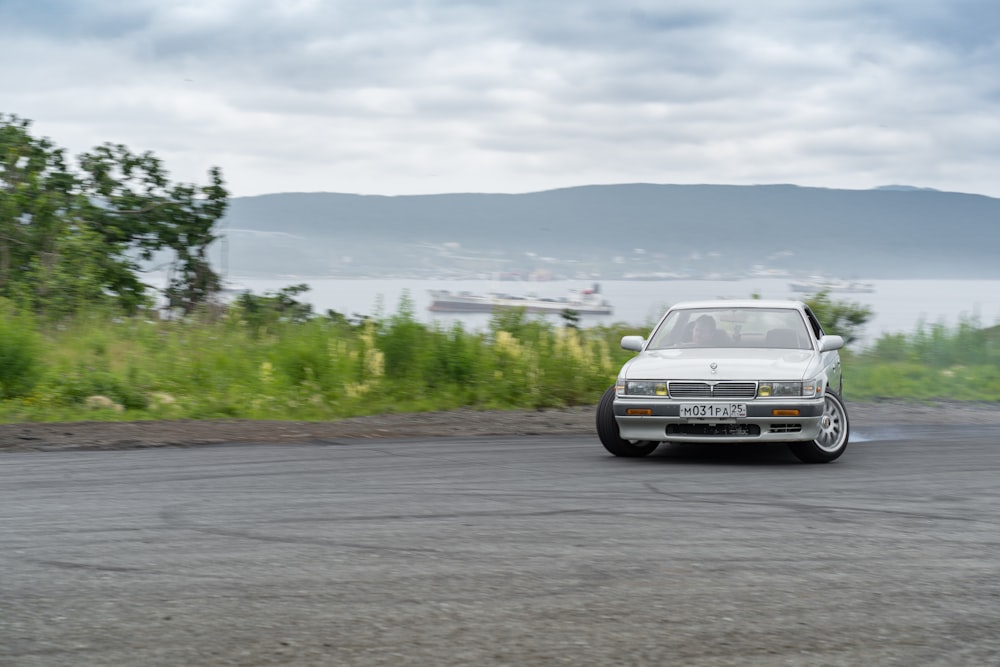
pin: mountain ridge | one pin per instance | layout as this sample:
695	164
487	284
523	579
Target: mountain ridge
608	231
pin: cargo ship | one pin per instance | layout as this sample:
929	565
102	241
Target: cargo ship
584	302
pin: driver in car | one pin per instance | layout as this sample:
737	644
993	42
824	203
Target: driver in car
706	333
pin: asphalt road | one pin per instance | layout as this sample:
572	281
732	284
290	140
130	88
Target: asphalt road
504	551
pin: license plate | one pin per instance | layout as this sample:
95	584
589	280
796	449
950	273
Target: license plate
714	410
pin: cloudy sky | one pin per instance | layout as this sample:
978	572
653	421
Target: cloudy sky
433	96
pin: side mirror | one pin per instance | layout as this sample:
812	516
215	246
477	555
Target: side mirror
830	343
633	343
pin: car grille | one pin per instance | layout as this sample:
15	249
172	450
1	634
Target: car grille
785	428
713	389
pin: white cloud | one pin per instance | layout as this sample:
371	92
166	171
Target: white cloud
396	97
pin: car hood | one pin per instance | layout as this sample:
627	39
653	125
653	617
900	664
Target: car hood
730	364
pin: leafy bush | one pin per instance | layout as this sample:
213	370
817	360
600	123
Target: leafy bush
82	383
933	362
841	318
20	352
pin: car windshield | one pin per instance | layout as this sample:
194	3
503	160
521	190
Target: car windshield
782	328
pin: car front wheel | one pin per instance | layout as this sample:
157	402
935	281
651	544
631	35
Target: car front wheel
607	431
832	439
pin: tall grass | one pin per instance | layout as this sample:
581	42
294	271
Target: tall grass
99	366
933	362
242	365
19	352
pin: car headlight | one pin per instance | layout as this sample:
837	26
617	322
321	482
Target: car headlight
779	389
645	388
790	389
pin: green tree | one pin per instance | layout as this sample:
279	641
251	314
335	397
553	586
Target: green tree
136	209
83	231
263	311
71	276
842	318
570	317
36	193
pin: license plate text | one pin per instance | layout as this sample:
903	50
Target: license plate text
714	410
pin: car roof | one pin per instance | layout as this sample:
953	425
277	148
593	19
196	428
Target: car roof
740	303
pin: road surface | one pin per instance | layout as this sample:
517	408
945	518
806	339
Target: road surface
488	551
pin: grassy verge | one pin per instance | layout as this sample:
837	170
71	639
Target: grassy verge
933	362
100	367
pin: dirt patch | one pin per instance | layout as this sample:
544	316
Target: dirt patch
185	433
188	433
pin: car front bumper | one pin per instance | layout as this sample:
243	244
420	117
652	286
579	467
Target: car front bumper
664	423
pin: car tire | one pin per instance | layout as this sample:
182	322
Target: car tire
833	435
607	431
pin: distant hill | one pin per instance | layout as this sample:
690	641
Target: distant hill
615	231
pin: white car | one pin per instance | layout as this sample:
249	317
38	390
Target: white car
737	371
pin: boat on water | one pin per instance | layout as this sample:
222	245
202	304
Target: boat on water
585	302
817	284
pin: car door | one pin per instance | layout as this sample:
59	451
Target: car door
830	360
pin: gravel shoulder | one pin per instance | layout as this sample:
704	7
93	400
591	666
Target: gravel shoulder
580	419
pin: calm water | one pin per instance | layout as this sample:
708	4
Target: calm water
898	305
